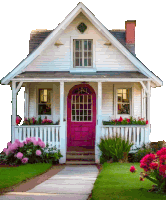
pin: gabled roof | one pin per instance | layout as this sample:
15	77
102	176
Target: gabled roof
62	26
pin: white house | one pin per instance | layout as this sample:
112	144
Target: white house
82	74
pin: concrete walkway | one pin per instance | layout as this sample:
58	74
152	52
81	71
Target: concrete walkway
73	182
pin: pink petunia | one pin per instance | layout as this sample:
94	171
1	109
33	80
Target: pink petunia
24	160
19	155
132	169
38	152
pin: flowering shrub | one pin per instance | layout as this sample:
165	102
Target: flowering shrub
30	150
126	121
154	166
33	121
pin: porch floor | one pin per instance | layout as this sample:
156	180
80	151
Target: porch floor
81	149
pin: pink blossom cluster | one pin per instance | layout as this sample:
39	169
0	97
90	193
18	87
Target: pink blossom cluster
47	121
146	162
132	169
13	148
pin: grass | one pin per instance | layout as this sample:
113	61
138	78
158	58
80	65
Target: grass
116	182
12	175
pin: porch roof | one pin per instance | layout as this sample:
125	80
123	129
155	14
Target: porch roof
101	74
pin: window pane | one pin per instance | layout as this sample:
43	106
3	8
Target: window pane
85	98
77	54
123	109
85	62
89	62
77	62
73	118
44	109
126	96
119	90
85	54
81	112
48	96
80	62
89	54
89	45
77	45
85	45
85	118
73	106
119	97
89	118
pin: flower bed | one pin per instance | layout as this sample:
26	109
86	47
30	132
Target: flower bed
29	151
33	121
126	121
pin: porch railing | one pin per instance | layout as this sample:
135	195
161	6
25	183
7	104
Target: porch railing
50	134
138	134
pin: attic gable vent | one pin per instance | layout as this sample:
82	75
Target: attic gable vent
82	27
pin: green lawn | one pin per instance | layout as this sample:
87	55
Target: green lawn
116	182
13	175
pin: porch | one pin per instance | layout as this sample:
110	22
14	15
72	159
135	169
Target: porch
51	135
58	134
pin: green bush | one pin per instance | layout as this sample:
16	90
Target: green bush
113	147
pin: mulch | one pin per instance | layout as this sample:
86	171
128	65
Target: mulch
32	182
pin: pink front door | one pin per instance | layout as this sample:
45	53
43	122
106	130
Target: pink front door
81	116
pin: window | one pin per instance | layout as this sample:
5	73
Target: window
83	53
81	103
123	101
44	106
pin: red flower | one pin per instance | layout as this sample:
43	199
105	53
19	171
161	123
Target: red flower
120	119
132	169
141	179
128	120
147	122
153	165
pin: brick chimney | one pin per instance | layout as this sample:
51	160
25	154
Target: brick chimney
130	34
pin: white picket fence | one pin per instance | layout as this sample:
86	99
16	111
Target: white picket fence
50	134
138	134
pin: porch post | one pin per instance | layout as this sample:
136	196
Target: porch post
148	113
14	110
62	124
99	122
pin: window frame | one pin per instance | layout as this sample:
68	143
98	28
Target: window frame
131	100
83	51
38	103
80	69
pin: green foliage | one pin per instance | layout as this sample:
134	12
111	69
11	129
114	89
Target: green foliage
113	147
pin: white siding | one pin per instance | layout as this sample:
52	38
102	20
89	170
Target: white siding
55	58
108	101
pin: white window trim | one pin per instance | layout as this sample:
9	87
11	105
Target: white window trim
37	103
82	69
131	101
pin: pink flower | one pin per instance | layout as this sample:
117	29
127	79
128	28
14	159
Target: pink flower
128	120
21	144
24	142
38	152
9	144
35	143
4	150
147	122
132	169
7	152
39	140
28	140
41	144
24	160
19	155
161	152
162	170
13	147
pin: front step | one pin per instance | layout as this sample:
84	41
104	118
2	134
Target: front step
80	163
74	157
